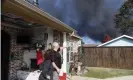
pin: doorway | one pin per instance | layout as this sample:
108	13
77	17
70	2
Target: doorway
5	50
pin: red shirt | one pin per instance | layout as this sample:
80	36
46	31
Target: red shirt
39	57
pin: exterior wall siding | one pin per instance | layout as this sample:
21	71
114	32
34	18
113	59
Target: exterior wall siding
15	49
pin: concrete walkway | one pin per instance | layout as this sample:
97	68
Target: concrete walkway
116	78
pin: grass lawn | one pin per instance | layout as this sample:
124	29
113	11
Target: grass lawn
102	73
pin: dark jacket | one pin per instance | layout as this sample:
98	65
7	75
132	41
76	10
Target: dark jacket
47	70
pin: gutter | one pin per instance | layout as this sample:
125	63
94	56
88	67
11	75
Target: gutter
34	9
75	35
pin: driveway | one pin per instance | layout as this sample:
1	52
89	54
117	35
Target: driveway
116	78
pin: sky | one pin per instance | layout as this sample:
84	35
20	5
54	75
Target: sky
93	19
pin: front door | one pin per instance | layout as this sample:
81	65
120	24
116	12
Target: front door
5	50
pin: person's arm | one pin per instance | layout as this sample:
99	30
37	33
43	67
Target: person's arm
53	63
55	66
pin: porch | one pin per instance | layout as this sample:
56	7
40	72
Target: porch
21	18
22	56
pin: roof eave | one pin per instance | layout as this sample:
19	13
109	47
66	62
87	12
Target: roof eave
76	36
42	17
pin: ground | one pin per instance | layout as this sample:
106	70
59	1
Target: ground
102	73
115	78
96	73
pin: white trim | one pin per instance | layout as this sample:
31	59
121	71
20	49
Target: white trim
64	65
76	36
115	40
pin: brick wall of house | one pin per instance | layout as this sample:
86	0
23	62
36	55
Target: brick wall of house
15	49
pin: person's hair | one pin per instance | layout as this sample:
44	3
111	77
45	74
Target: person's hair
55	44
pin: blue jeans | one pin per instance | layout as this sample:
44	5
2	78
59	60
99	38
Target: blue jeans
41	66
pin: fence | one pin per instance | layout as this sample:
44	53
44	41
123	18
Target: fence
108	57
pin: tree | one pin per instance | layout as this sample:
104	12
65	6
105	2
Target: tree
124	19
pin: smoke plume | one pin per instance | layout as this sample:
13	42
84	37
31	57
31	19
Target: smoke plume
89	17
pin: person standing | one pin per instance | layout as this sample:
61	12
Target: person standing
55	58
39	58
57	61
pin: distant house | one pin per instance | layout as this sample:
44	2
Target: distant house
107	38
123	40
89	45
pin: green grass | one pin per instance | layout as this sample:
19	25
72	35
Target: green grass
107	72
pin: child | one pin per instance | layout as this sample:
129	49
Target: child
39	58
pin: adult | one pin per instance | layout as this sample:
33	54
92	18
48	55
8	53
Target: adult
54	56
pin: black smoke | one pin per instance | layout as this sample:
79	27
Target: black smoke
89	17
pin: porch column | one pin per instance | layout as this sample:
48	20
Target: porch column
64	65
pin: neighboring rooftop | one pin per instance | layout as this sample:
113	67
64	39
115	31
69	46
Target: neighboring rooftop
89	45
116	39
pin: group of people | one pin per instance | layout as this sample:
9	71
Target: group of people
49	62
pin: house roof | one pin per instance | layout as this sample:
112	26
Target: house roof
89	45
107	38
123	36
34	14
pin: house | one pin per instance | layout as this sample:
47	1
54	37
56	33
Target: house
23	25
122	41
106	38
